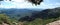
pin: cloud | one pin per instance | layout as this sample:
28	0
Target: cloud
50	5
23	4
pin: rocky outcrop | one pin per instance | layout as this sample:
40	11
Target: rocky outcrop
54	23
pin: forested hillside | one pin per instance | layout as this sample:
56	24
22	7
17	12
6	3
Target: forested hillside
32	17
18	13
43	17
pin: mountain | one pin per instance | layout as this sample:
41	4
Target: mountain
18	13
44	14
50	13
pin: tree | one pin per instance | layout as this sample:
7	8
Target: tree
1	0
24	18
36	2
4	18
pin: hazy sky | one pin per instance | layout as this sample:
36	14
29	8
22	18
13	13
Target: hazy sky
25	4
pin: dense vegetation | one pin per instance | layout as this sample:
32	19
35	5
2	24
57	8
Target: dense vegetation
36	2
46	16
36	18
5	19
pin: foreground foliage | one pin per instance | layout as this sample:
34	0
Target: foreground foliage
41	21
5	19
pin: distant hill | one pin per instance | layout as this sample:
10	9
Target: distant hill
50	13
33	16
18	13
44	14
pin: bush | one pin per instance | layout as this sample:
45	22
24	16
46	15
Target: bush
5	19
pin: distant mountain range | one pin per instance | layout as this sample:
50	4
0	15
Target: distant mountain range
44	14
31	14
18	13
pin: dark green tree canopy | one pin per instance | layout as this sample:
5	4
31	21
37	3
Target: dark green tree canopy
1	0
36	2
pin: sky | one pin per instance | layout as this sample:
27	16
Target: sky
25	4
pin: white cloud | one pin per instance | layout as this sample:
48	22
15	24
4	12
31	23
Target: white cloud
23	4
51	5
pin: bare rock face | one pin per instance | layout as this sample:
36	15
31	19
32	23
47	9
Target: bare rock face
20	23
4	24
54	23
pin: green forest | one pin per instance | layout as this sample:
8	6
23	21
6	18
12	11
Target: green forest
41	18
42	12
